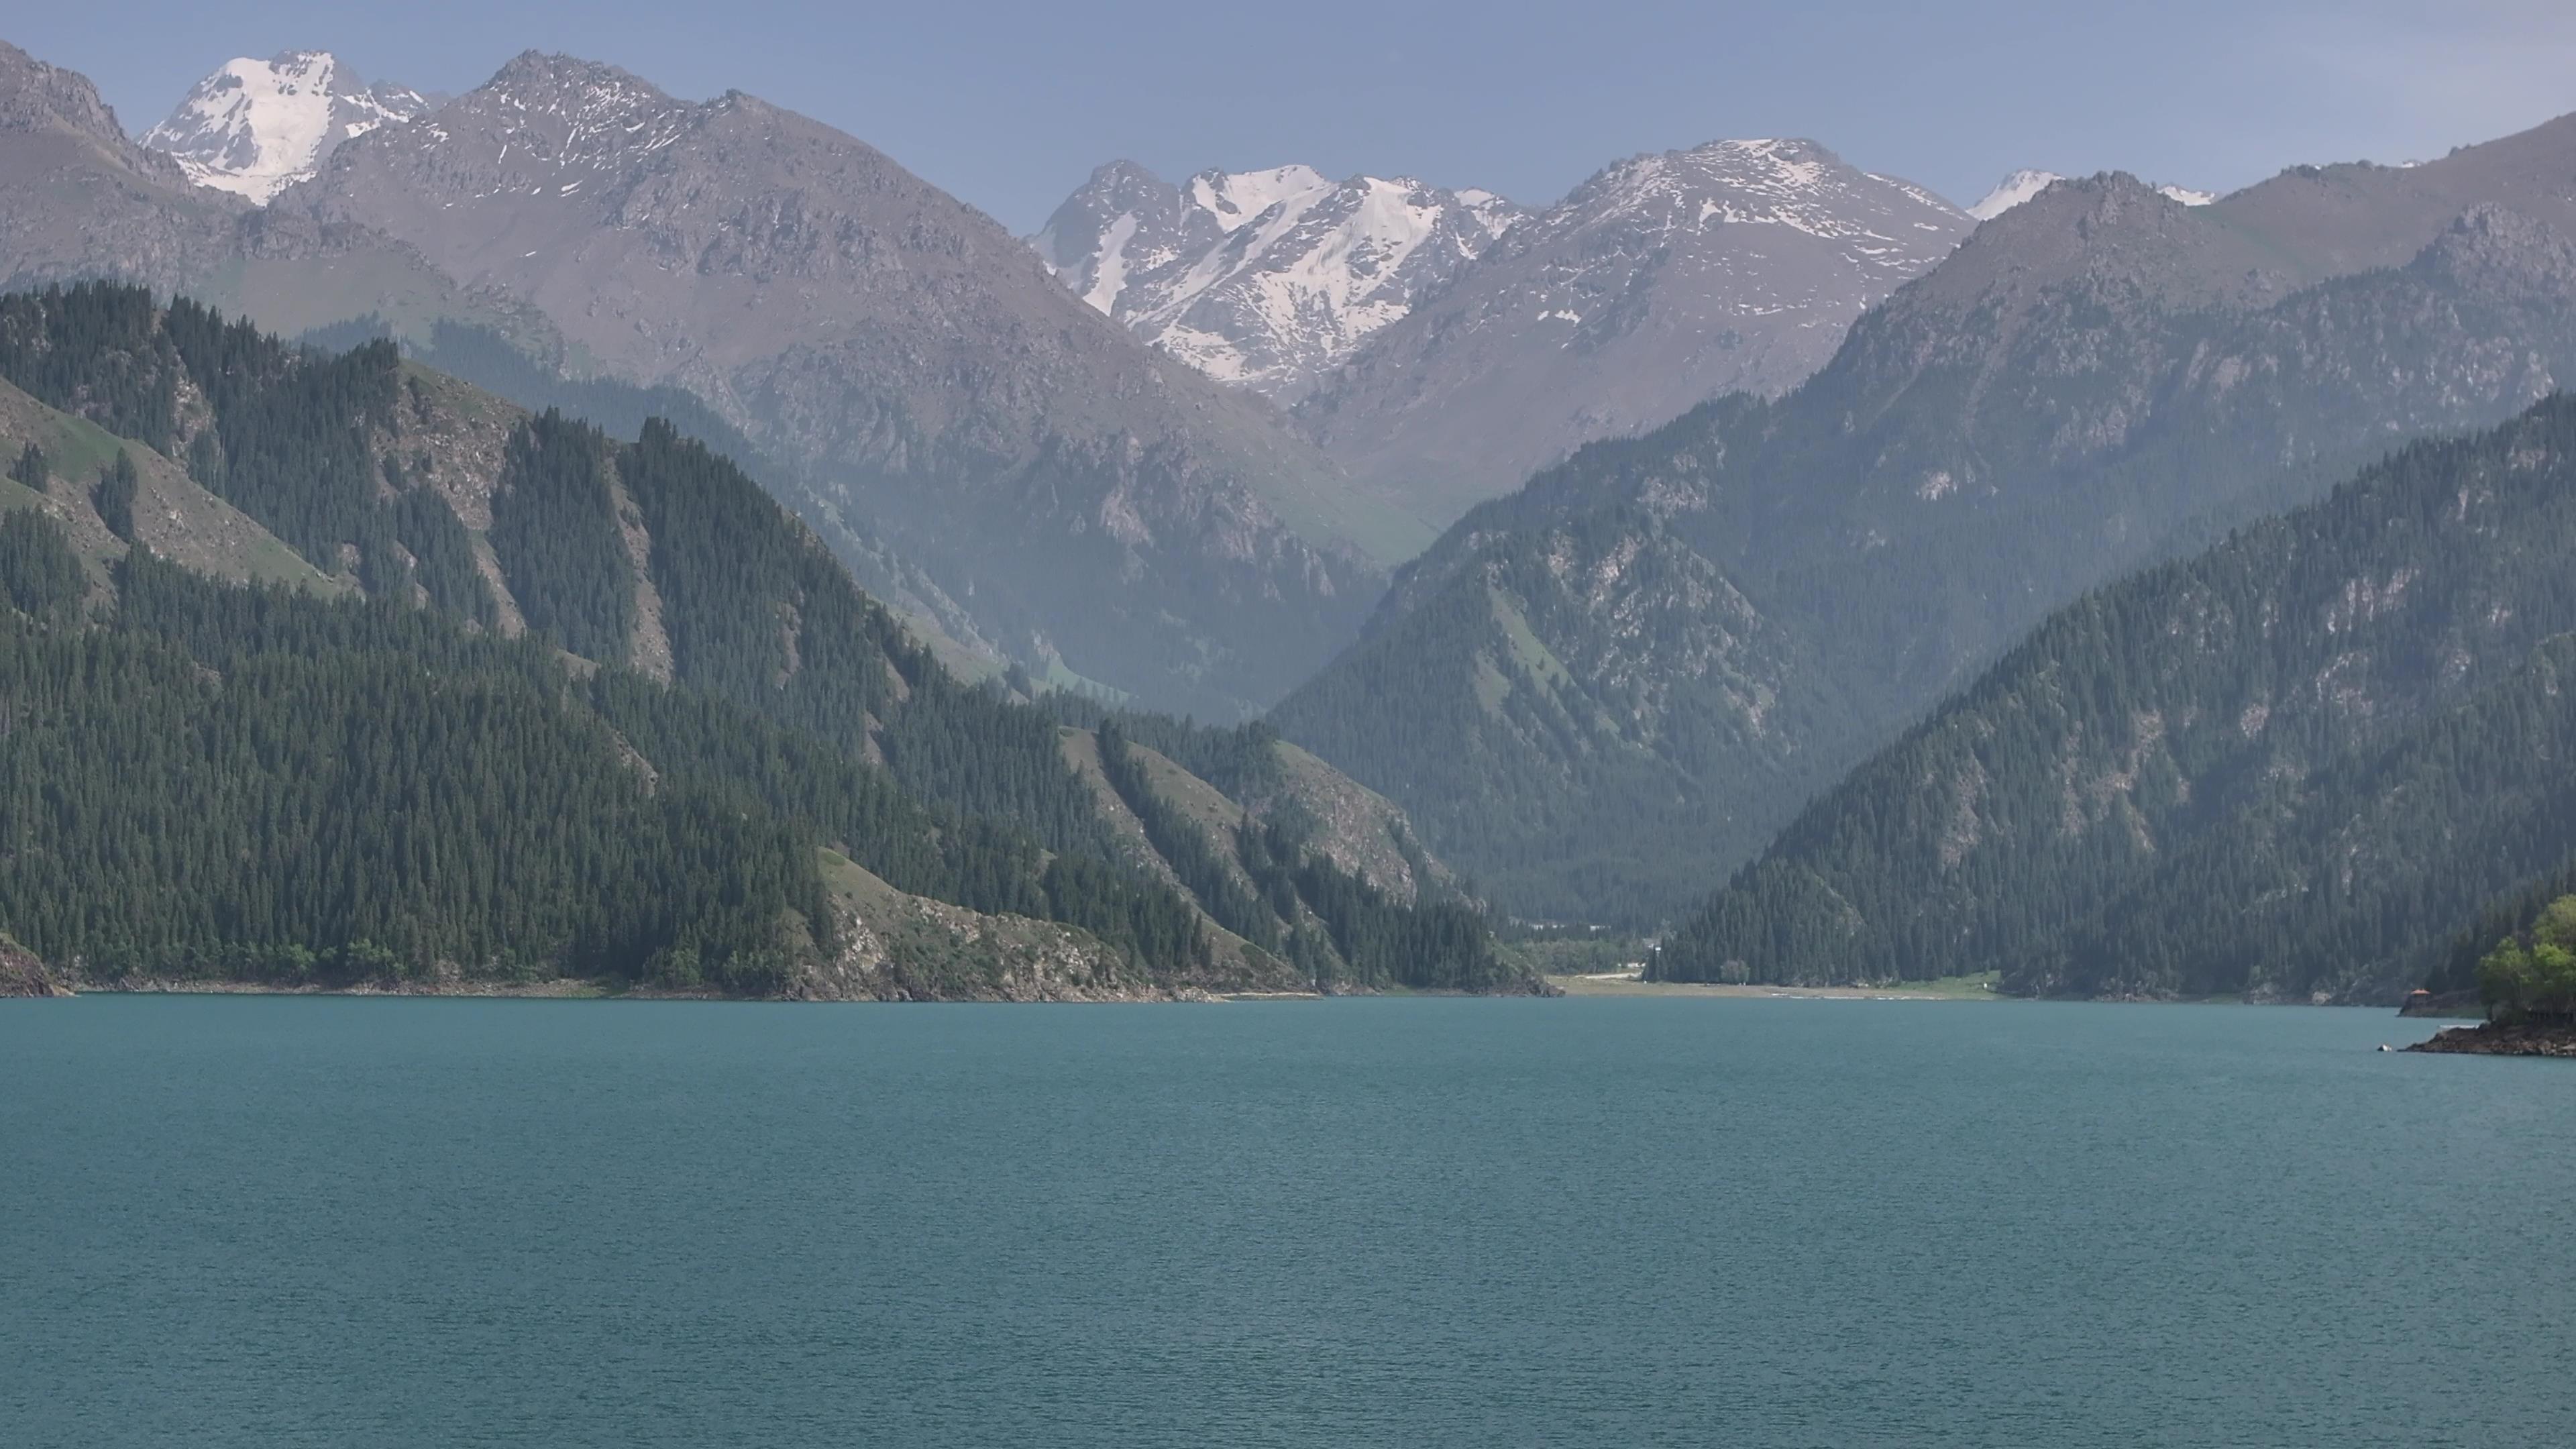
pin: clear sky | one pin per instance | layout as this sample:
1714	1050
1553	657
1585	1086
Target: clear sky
1010	105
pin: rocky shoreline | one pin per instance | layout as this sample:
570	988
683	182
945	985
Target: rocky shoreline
2522	1039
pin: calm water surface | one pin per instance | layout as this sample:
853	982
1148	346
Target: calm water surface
238	1222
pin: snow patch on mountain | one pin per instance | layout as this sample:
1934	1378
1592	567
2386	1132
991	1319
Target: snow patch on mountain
2021	186
1237	197
255	127
1263	279
1794	184
1664	280
2012	191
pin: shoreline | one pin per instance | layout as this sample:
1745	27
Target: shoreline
1624	984
578	989
2488	1039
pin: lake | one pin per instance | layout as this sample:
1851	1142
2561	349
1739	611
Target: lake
261	1221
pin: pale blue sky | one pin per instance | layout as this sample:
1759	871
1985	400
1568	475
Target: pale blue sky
1010	105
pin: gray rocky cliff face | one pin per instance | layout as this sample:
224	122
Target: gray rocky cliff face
22	975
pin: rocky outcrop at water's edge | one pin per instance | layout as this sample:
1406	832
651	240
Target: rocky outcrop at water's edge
2496	1039
21	974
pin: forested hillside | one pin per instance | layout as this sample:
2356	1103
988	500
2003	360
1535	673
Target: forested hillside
2289	767
680	675
1582	710
492	362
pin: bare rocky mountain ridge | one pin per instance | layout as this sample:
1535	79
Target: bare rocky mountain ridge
80	199
83	198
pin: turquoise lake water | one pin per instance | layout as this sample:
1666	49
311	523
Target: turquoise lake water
242	1221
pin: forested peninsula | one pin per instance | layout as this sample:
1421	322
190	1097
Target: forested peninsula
2522	958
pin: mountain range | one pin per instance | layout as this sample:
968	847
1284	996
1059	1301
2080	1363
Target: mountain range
1060	494
1444	345
1614	685
1599	536
1025	482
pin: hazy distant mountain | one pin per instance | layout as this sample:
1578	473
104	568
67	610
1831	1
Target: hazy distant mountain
1665	645
1661	282
1095	506
255	126
1265	279
78	198
2021	186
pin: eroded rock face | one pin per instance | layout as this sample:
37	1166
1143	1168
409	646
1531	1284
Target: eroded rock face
907	948
21	974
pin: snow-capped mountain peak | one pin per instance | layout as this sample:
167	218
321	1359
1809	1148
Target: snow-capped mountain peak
1766	181
2012	191
255	127
1664	280
2021	186
1265	279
